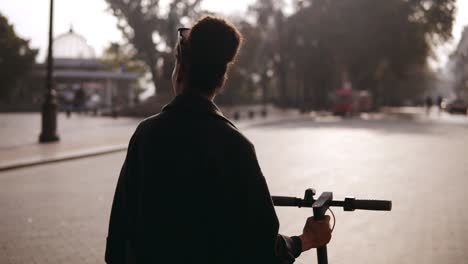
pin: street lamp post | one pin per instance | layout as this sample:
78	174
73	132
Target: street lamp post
49	108
266	76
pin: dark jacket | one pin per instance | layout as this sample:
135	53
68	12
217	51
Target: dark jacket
191	191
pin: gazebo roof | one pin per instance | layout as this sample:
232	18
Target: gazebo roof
72	46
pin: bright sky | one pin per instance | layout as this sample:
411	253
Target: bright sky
90	19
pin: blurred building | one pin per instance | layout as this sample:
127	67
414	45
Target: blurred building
462	48
76	67
458	65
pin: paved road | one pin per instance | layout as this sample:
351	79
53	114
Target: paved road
58	213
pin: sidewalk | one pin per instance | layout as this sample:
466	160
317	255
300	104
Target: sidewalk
80	136
421	114
405	112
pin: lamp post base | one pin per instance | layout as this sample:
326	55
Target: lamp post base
48	138
49	123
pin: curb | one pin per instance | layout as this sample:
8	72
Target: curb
66	156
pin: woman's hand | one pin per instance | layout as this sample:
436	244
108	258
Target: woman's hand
316	233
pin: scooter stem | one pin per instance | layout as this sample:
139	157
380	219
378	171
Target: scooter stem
319	208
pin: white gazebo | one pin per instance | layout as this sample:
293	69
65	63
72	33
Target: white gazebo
77	67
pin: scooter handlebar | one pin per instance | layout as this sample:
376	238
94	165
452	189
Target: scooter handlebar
324	202
351	204
286	201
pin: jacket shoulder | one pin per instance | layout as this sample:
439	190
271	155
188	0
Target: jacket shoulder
213	124
231	137
151	121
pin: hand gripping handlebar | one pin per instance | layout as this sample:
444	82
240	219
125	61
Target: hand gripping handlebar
323	203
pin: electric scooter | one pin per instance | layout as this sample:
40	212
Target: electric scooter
323	203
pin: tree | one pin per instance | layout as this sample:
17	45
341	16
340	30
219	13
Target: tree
151	28
242	87
370	43
16	58
271	58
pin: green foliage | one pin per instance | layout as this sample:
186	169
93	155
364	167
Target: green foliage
119	56
122	57
16	58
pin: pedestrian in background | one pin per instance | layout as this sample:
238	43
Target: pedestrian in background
79	100
68	97
428	104
439	103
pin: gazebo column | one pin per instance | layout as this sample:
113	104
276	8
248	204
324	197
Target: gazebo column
131	94
109	93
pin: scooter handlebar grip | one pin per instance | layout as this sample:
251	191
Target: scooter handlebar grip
376	205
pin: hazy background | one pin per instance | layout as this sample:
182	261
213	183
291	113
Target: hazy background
31	20
366	98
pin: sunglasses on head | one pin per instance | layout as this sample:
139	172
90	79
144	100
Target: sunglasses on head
183	35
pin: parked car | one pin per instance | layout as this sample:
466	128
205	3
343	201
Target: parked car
457	106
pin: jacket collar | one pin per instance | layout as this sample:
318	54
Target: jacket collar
196	104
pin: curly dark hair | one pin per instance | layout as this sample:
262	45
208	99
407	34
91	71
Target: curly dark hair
212	46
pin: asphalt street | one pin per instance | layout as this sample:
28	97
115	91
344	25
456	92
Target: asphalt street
58	213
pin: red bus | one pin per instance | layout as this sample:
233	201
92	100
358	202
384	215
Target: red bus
347	101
